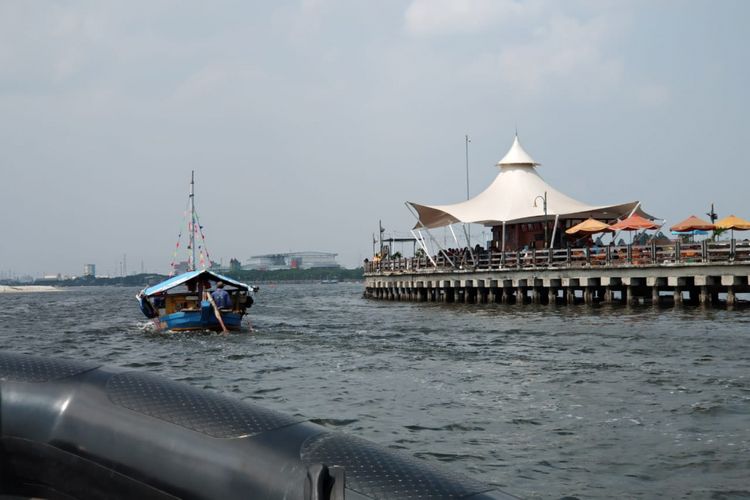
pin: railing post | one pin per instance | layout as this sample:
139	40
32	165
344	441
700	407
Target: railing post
630	253
731	249
704	251
653	252
533	257
677	251
608	255
518	258
568	257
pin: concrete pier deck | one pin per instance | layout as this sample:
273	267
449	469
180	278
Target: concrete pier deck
701	274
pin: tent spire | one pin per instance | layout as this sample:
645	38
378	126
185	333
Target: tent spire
517	156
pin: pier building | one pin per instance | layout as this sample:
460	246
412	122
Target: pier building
530	259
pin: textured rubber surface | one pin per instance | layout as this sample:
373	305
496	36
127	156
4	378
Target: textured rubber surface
22	368
380	473
201	411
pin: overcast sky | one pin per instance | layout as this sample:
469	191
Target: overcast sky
308	121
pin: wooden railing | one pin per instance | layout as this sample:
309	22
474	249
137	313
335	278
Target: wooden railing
609	256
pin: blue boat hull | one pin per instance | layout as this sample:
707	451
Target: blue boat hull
203	319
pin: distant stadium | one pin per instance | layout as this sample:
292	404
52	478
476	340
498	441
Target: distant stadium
292	260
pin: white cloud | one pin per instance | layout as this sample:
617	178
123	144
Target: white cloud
441	17
653	94
564	51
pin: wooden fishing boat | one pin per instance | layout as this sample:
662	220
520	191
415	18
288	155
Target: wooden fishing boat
185	302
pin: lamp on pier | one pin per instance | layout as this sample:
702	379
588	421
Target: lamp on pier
544	206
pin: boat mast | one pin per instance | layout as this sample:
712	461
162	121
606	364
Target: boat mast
191	238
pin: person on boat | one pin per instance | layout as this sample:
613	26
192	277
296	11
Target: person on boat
221	297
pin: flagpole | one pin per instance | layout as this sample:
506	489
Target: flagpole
467	183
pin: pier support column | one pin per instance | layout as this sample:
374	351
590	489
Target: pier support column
705	297
588	295
731	297
655	295
729	282
450	292
677	296
551	296
492	296
570	296
507	291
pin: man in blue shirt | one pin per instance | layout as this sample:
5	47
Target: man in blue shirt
221	297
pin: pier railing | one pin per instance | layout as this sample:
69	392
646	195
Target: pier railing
676	252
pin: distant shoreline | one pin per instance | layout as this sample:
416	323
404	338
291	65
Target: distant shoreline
27	288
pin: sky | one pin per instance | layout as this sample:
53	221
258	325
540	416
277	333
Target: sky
306	122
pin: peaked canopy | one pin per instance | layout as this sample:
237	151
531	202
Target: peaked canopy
511	198
692	223
589	226
634	223
733	222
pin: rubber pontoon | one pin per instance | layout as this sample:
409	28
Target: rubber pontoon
80	430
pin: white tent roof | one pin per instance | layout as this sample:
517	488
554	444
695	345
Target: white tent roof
511	198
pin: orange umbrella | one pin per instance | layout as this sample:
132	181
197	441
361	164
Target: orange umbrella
589	226
733	222
634	223
692	223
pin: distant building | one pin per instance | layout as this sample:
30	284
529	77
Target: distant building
89	270
292	260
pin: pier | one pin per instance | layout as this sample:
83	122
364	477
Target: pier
705	273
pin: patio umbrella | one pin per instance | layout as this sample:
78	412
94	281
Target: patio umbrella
733	222
692	223
588	227
634	223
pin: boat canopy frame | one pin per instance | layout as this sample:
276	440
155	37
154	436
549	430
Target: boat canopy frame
185	277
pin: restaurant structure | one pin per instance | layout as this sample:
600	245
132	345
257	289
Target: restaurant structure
531	258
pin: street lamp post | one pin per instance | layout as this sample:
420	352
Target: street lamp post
544	206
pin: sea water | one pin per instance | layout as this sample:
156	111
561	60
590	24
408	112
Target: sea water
540	401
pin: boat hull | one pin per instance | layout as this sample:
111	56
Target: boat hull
187	321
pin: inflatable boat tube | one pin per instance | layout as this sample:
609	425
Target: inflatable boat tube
74	430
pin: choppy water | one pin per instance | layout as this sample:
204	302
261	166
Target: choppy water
542	402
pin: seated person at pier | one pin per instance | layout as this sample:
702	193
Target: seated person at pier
221	297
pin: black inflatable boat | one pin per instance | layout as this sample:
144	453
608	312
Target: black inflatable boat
74	430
